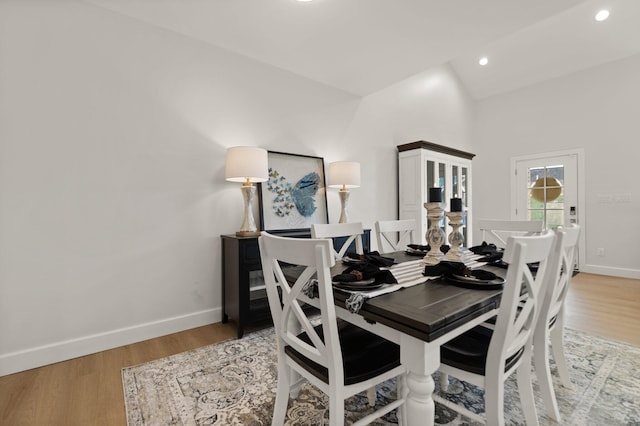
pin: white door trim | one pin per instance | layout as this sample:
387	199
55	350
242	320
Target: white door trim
582	213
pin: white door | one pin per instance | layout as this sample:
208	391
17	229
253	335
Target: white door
546	189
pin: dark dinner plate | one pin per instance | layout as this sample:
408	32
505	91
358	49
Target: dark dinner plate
364	285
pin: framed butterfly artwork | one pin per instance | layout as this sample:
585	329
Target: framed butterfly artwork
295	195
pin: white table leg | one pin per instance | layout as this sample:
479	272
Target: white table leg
422	360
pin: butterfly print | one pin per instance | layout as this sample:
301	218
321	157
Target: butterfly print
288	197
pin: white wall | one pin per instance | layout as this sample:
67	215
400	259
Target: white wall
430	106
112	142
113	137
597	110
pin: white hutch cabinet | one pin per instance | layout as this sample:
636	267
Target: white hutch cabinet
423	165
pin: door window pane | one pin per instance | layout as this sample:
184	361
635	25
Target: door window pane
545	201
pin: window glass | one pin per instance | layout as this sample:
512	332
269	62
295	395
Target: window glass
546	195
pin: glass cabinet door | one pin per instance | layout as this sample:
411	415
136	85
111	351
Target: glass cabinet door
437	178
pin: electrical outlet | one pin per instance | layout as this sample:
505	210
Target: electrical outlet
600	251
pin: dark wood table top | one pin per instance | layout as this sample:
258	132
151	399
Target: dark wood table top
426	311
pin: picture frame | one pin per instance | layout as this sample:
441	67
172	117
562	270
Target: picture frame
295	195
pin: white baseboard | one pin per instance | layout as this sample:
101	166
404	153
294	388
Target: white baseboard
14	362
614	272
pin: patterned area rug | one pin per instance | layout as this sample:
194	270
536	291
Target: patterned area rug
234	382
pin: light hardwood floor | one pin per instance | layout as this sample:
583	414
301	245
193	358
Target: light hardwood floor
605	306
88	390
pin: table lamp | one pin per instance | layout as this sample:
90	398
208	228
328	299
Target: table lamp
344	175
247	164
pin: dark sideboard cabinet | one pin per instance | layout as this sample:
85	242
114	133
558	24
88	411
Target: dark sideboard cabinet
244	296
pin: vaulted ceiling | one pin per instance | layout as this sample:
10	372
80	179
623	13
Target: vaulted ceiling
362	46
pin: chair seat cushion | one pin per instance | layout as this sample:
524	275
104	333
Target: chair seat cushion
364	355
469	351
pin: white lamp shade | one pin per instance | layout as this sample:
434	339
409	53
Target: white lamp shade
344	173
246	162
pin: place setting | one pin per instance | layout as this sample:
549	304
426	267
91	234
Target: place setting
364	272
461	275
372	274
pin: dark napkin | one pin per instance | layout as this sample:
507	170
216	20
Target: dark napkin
365	271
490	252
372	257
443	268
485	248
448	269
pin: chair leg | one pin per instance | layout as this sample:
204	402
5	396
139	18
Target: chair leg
371	396
543	371
557	347
494	399
404	391
444	382
282	395
525	388
295	383
336	408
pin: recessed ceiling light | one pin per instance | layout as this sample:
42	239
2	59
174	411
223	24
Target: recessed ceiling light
483	61
304	0
602	15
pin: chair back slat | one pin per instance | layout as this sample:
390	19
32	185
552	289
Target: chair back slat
292	313
497	231
395	235
353	232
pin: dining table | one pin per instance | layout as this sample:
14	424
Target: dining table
421	318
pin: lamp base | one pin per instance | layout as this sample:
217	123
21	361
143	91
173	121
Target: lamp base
248	227
344	201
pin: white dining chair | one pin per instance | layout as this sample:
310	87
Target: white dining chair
337	357
353	231
550	324
394	235
486	357
497	231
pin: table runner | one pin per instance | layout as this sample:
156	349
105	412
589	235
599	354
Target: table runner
406	273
